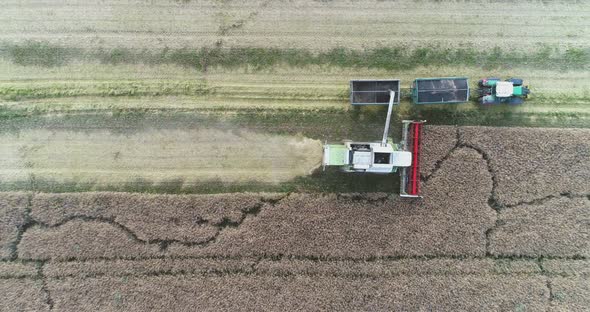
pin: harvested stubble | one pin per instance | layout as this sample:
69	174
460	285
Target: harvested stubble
437	142
556	227
22	294
570	294
448	221
100	159
184	218
12	216
17	269
304	24
380	269
82	240
168	266
532	163
273	293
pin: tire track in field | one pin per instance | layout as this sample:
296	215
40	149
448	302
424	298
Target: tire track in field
227	27
52	273
163	244
493	201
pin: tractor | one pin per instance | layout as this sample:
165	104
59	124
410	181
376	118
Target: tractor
495	91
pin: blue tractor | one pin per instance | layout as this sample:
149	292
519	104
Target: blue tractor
495	91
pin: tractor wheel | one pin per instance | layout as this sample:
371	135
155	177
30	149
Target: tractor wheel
515	81
515	101
484	91
487	80
483	102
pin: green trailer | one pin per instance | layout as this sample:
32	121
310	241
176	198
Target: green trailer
445	90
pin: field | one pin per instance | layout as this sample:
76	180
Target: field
313	25
472	232
221	56
165	155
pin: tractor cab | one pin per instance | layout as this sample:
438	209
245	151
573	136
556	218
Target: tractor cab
504	89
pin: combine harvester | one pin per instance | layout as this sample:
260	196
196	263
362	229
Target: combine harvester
496	91
381	157
387	157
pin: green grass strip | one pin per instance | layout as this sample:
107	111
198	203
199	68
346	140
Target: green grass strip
389	58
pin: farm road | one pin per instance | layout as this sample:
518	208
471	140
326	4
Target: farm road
503	226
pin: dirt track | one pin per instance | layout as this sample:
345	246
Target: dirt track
475	242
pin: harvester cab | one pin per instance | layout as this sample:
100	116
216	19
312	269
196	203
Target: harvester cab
496	91
382	157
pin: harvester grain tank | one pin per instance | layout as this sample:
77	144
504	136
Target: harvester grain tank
382	157
496	91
